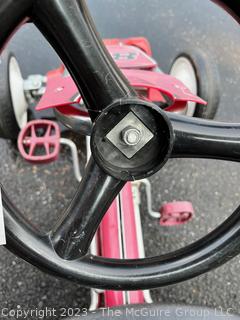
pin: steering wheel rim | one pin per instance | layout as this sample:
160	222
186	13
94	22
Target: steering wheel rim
69	28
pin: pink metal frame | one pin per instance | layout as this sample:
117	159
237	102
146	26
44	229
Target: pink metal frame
133	58
119	238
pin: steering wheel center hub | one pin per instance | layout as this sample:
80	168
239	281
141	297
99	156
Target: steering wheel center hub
131	140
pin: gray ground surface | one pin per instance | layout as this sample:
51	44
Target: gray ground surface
212	186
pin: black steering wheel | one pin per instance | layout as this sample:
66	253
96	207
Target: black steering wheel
112	104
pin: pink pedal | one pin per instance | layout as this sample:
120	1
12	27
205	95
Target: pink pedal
176	213
39	141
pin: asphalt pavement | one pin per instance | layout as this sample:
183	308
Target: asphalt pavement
212	186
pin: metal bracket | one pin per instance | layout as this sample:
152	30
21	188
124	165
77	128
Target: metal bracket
130	135
34	87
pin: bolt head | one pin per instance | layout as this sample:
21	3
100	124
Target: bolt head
131	136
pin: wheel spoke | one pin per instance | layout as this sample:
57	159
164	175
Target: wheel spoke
198	138
69	28
73	234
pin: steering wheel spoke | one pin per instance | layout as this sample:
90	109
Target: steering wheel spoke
73	234
198	138
78	44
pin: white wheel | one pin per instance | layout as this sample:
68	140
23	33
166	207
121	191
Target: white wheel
183	70
13	104
19	102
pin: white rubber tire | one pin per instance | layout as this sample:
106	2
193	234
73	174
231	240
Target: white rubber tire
13	104
20	105
198	71
183	70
